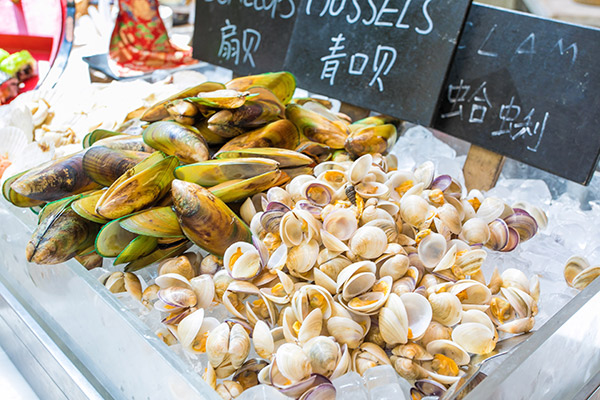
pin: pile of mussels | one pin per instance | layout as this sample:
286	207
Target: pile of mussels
332	261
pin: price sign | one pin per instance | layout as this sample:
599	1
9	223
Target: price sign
386	55
246	36
527	88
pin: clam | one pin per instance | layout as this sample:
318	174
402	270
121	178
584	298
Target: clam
180	265
415	210
520	325
194	329
424	173
523	223
341	223
368	242
229	389
499	235
450	216
474	337
369	190
585	277
490	209
419	314
292	362
301	259
513	277
368	355
346	331
204	288
393	265
318	193
393	321
475	231
177	297
242	261
471	292
432	249
435	331
360	168
446	308
469	263
309	297
573	267
263	341
324	354
370	302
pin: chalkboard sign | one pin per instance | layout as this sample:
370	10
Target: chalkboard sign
527	88
246	36
386	55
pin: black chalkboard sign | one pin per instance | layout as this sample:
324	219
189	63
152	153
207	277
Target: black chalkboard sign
386	55
527	88
246	36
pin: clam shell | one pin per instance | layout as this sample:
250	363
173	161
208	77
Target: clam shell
394	266
513	277
204	287
341	223
498	235
323	353
292	362
414	210
393	321
474	338
431	249
475	231
446	308
479	317
573	267
369	190
239	345
345	331
471	292
318	193
301	259
490	209
357	285
360	168
172	279
585	277
518	325
424	173
217	344
368	242
449	349
419	313
436	331
523	223
448	260
264	345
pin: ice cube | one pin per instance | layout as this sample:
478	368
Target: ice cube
262	392
350	387
390	391
380	375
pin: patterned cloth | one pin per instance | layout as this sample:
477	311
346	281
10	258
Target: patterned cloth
140	40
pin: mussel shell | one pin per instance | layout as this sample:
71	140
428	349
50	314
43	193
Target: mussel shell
125	142
214	172
205	219
139	247
112	239
14	197
105	165
236	190
158	110
282	84
158	222
60	236
162	252
316	127
222	98
285	158
133	192
96	135
211	137
86	207
256	112
179	140
55	179
371	139
282	134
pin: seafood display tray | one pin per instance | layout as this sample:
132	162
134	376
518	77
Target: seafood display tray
121	358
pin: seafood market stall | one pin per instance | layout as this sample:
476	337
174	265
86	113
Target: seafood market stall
204	236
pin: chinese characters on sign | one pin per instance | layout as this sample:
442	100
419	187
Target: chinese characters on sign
229	48
472	103
383	61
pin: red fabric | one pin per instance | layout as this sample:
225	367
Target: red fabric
140	40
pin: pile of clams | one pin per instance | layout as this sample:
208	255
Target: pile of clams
326	256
